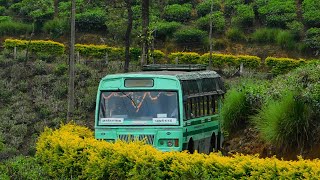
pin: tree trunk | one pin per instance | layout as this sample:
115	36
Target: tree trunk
128	34
210	37
71	64
145	27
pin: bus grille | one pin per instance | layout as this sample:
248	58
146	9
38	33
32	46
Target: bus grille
147	138
126	138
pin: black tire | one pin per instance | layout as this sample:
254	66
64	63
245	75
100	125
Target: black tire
212	143
191	146
219	141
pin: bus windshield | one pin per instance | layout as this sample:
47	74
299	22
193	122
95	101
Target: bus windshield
138	108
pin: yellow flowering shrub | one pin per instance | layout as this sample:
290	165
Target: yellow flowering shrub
36	46
219	60
184	57
72	152
249	61
223	60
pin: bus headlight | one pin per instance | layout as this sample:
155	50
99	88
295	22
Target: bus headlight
168	142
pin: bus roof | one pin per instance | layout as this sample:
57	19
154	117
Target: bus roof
180	75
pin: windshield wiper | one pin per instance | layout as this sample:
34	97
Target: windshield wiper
135	105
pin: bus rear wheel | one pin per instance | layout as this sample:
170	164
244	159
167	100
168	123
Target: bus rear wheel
191	146
212	143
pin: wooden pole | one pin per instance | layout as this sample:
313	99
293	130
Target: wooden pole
71	64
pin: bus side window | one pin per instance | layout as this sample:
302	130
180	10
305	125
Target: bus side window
217	104
185	110
201	109
193	108
207	101
211	101
214	104
189	105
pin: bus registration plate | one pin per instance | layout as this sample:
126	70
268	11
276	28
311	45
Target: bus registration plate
164	120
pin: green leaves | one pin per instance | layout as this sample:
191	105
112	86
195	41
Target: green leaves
311	13
177	12
276	13
189	35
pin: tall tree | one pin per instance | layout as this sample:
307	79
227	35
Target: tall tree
128	34
145	29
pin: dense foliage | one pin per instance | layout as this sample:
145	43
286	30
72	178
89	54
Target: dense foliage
72	152
33	95
285	111
107	21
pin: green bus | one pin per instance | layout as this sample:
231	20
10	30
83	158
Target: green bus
172	107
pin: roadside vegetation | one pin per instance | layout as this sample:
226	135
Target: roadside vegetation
290	27
285	110
276	99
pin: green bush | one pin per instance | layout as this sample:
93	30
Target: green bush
39	47
25	168
249	61
135	53
265	35
170	2
56	27
235	34
230	6
282	65
297	29
158	56
14	28
60	69
184	57
220	60
218	22
244	16
285	39
97	51
47	47
91	20
305	80
285	123
2	10
166	29
177	12
311	13
233	112
35	10
189	35
5	18
71	151
313	38
275	13
204	7
219	44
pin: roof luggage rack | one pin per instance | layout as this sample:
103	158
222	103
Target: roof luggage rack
174	67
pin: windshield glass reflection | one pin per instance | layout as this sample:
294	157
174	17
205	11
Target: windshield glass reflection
144	107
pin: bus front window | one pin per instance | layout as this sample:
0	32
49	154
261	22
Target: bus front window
139	107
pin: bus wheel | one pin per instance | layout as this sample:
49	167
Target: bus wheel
191	146
212	143
219	138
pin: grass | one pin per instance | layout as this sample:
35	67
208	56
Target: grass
284	122
234	110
